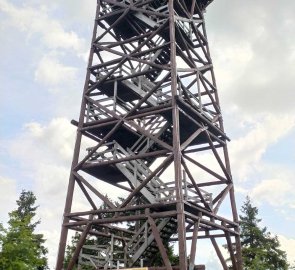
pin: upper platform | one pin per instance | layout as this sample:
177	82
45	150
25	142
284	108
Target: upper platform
202	3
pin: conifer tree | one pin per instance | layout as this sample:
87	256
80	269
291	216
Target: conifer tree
260	250
21	248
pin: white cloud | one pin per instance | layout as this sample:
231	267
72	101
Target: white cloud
52	143
247	151
45	153
36	20
260	81
54	42
8	196
230	56
206	254
52	72
280	188
288	245
57	37
73	11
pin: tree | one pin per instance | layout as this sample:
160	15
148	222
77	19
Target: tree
260	250
21	247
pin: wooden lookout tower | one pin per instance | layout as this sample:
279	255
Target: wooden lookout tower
150	128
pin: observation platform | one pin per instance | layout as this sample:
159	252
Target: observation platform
134	22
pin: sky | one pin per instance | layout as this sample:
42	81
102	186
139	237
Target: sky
43	57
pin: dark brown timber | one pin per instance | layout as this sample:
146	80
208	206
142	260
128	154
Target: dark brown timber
151	119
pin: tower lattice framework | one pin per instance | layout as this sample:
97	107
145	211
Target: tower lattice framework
150	131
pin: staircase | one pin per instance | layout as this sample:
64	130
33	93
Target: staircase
143	245
134	171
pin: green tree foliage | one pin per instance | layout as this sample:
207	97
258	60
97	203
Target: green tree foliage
260	250
21	248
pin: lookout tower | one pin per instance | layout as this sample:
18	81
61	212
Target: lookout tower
150	128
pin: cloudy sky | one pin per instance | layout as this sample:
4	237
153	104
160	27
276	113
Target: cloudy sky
43	52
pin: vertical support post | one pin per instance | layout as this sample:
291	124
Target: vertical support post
185	185
231	251
125	255
176	143
112	251
227	164
237	238
199	93
115	95
71	185
146	234
194	243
